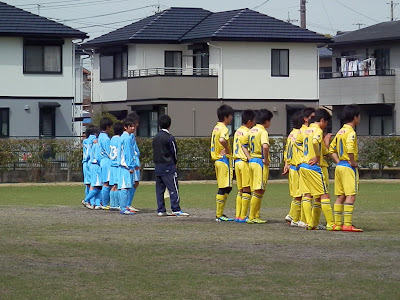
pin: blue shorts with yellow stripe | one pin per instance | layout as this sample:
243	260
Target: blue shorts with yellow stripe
258	173
346	179
312	180
224	172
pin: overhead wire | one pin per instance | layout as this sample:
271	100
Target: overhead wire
326	12
357	11
262	4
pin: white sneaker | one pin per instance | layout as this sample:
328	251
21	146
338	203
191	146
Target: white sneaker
163	214
131	208
180	214
294	224
98	207
301	224
89	206
288	219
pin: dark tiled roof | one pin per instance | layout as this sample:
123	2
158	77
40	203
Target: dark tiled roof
249	25
17	22
325	52
176	25
385	31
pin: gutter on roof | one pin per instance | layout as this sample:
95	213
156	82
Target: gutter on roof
53	35
363	41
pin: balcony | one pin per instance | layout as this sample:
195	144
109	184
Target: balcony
348	88
352	74
172	83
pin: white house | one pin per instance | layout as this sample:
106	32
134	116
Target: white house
188	61
37	74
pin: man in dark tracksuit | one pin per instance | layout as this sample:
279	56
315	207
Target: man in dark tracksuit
165	159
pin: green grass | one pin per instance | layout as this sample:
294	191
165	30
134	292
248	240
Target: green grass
52	248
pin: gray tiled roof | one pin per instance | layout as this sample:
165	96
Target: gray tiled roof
177	25
325	52
18	22
385	31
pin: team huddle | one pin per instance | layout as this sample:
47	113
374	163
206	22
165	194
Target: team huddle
305	163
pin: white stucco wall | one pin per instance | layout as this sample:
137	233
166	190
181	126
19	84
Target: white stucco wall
13	82
246	71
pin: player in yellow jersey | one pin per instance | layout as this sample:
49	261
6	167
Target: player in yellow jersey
308	115
312	179
241	157
259	163
221	154
344	151
291	158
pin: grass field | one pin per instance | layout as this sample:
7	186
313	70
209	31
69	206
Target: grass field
53	248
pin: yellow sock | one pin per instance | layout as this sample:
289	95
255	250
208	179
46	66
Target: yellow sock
255	203
316	213
348	214
296	210
259	207
306	204
327	209
238	204
246	198
220	205
302	216
292	207
338	212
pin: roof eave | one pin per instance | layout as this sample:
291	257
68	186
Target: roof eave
370	41
46	35
286	40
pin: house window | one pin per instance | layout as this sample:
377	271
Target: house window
47	122
43	56
113	65
382	61
236	122
280	62
381	125
4	122
173	62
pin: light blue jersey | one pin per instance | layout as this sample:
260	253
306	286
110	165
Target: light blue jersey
115	158
127	163
137	157
94	165
104	145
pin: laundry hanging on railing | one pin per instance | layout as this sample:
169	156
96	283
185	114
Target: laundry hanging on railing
353	67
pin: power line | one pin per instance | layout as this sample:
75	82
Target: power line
104	24
34	4
357	12
326	12
258	6
72	5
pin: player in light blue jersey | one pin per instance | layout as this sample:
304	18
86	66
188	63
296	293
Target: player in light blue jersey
115	157
136	174
104	144
127	166
86	147
92	200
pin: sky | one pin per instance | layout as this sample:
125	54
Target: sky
98	17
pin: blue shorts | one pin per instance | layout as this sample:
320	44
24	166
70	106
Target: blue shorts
95	175
86	173
136	175
125	180
105	169
114	175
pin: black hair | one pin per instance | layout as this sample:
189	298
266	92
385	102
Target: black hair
263	115
134	116
92	129
224	111
308	111
322	114
349	112
128	122
248	115
105	122
164	122
118	128
297	119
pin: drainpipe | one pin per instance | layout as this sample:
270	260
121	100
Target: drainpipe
221	70
194	122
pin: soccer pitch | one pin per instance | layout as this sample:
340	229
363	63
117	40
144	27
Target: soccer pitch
53	248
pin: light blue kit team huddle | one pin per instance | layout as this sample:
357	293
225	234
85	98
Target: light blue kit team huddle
111	171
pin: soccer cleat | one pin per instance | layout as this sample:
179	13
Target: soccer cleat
108	207
89	206
242	220
84	203
259	221
126	212
288	219
301	224
294	224
114	208
237	219
250	221
337	228
98	207
351	228
321	227
223	218
310	227
180	214
131	208
162	214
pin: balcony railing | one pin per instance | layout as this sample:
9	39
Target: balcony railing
172	72
350	74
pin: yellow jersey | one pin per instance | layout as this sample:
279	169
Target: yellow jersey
299	143
312	137
325	151
241	138
220	131
291	153
258	136
345	142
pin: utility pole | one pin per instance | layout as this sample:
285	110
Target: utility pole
158	7
359	25
289	20
392	6
303	13
38	8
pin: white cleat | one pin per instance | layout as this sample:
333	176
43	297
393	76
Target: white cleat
131	208
288	219
89	206
294	224
301	224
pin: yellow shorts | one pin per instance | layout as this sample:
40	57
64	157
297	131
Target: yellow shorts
224	172
346	179
312	180
258	173
294	190
325	172
242	172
